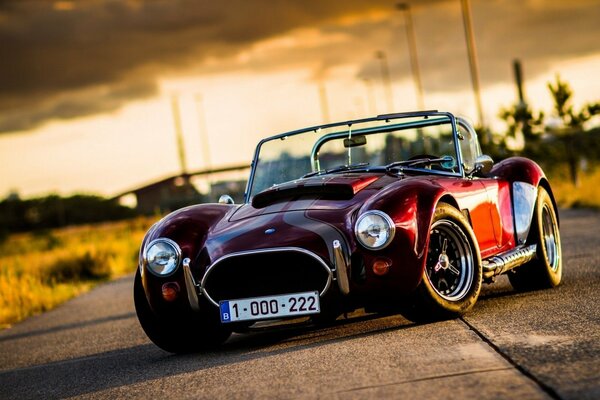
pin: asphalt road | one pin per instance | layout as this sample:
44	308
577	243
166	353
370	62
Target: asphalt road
536	345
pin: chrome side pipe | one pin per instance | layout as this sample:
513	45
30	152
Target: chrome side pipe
504	262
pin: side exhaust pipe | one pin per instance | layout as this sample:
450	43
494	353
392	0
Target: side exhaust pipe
504	262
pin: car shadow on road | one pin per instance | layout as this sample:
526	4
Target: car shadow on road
143	363
138	364
5	337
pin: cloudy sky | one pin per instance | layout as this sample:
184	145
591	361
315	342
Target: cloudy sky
87	87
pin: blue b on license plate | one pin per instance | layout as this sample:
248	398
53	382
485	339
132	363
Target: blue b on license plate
286	305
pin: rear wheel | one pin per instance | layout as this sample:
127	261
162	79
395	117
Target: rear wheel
452	277
177	335
545	271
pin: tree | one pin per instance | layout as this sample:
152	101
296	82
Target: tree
562	94
522	120
565	139
570	123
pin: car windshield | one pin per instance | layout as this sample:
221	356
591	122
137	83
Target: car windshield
423	144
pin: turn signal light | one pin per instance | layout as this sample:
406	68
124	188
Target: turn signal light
170	291
381	266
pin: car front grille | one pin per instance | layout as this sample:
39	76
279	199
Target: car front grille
266	272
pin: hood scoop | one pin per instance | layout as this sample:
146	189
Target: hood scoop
329	188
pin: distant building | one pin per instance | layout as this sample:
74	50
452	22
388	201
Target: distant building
235	189
178	191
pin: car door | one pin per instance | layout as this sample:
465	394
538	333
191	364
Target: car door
474	202
500	209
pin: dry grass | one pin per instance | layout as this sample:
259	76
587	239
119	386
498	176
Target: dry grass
39	271
586	194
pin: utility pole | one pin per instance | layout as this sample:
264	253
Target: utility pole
519	81
472	53
385	77
412	52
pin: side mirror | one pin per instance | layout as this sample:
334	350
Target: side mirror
483	165
226	199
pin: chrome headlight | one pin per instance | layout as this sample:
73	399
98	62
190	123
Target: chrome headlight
374	230
162	256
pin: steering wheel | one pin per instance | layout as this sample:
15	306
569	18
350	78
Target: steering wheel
422	156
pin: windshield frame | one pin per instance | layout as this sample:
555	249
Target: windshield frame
384	117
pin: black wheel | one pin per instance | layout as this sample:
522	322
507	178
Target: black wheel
332	306
177	335
452	277
545	271
327	316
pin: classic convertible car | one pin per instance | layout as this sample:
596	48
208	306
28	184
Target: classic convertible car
396	212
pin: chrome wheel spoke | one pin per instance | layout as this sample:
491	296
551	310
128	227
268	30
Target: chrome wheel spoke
453	269
449	260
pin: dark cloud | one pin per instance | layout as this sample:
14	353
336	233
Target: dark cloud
68	59
537	32
51	49
72	104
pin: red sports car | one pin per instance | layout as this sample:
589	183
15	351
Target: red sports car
398	211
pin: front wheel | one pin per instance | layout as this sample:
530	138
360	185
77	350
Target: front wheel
452	276
545	271
177	335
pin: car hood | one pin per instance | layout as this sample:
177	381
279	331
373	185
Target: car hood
331	192
309	213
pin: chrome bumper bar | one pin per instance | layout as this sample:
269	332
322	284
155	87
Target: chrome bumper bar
341	268
190	285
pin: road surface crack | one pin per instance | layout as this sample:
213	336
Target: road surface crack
547	389
426	378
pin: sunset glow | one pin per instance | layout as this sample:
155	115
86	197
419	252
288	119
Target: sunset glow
113	130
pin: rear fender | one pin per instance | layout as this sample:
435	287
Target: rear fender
518	169
525	176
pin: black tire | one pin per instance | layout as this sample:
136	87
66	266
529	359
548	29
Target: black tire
327	316
452	276
545	271
177	335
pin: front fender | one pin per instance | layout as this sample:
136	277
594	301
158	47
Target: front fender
411	204
189	227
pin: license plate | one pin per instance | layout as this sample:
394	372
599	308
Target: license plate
286	305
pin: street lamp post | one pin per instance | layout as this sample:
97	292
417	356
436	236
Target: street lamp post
202	130
387	82
178	132
324	103
412	52
370	96
472	52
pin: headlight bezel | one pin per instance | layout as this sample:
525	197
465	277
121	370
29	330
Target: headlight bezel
388	221
176	251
